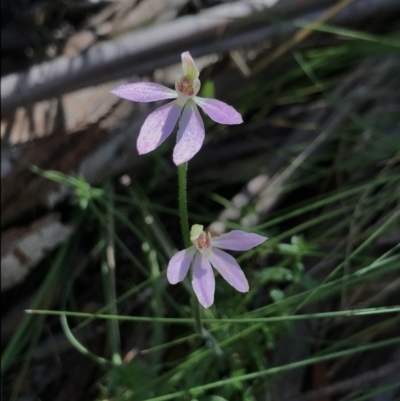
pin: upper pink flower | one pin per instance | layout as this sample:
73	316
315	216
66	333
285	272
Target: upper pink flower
204	253
159	124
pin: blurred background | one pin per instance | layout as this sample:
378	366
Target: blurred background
88	226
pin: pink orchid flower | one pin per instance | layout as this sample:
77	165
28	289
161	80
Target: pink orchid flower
161	122
206	251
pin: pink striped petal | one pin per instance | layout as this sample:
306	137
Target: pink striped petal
157	127
218	111
238	240
203	280
229	270
179	264
144	92
190	135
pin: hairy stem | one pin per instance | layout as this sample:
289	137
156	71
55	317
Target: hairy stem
182	170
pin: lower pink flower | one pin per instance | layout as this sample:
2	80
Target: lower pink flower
206	251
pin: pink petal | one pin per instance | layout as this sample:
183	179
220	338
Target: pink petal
190	135
238	240
144	92
179	265
203	280
218	111
229	270
157	127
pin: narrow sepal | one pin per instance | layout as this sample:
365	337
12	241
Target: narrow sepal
144	92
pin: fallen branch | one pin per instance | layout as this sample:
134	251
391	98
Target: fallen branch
218	29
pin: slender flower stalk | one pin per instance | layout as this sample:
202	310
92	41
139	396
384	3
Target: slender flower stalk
182	171
182	174
206	251
161	122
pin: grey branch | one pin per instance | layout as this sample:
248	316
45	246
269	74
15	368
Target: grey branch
218	29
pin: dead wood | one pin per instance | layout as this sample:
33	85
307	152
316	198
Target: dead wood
23	248
22	189
218	29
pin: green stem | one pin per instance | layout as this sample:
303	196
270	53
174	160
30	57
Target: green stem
77	345
200	330
241	320
182	170
196	315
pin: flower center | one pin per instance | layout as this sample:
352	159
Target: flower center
185	86
201	240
